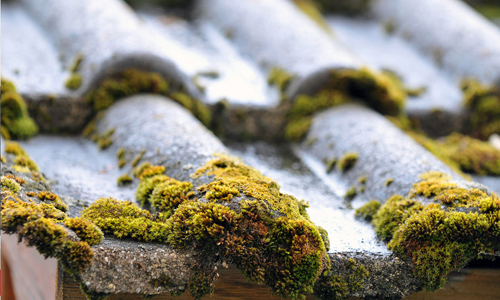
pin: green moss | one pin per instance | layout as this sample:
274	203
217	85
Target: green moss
10	184
490	11
125	179
483	102
279	78
440	237
347	161
137	158
362	180
120	153
52	198
332	286
74	81
24	161
92	295
312	10
330	163
146	187
169	194
76	63
121	163
389	181
36	225
15	120
389	27
367	211
253	237
133	81
104	140
351	193
85	230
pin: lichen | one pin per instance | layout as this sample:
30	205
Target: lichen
367	211
462	226
483	102
133	81
15	121
85	230
347	161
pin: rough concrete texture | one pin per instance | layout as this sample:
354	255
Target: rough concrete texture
461	33
167	132
121	266
288	39
384	152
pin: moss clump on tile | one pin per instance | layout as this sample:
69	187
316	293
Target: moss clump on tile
15	121
460	152
347	161
351	193
133	81
330	163
137	158
169	194
123	180
73	82
52	198
378	90
462	226
279	78
367	211
249	231
388	181
483	102
36	224
10	184
85	230
333	286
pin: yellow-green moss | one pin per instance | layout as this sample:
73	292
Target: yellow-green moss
121	163
368	210
249	237
388	181
36	224
333	286
53	198
133	81
169	194
125	179
312	10
76	63
137	158
15	120
347	161
362	180
25	161
279	78
85	230
330	163
351	193
483	103
464	225
10	184
74	81
120	153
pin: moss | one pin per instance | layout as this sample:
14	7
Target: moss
85	230
351	193
443	236
415	92
279	78
36	224
76	63
483	102
120	153
388	181
137	158
296	130
151	171
15	120
352	7
104	140
490	11
24	161
146	187
362	180
52	198
332	286
74	81
125	179
347	161
10	184
17	179
253	237
121	163
168	195
367	211
133	81
312	10
330	163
